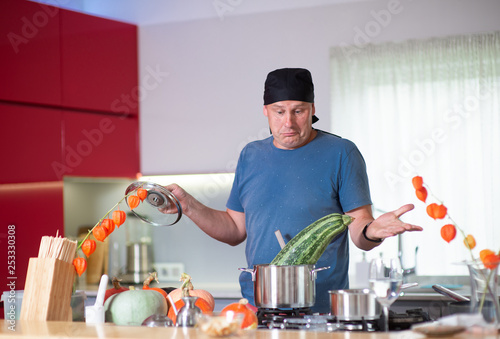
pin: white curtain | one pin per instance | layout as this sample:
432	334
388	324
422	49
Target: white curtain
432	108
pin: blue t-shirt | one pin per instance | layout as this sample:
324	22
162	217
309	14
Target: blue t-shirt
287	190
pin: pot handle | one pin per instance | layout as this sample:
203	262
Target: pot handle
249	270
408	285
315	270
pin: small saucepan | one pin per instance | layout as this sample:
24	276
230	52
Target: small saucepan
354	304
357	304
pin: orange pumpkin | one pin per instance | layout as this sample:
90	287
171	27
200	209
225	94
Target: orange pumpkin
145	285
117	288
250	320
176	294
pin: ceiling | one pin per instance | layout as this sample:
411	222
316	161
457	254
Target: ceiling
150	12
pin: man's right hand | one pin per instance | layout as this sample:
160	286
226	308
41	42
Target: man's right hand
181	195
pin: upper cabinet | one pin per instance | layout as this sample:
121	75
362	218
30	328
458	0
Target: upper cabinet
30	53
99	64
31	143
52	56
99	145
69	95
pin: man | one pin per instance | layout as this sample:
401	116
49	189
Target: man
291	179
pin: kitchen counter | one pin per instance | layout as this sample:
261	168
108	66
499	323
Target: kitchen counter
59	330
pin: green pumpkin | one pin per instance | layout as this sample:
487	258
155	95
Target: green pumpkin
134	306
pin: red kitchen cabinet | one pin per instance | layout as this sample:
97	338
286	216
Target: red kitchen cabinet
99	64
100	145
29	52
29	211
31	143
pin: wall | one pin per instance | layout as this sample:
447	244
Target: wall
61	71
212	72
208	103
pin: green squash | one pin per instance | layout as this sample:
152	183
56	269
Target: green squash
134	306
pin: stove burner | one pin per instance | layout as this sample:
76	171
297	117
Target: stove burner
364	325
266	315
303	319
403	321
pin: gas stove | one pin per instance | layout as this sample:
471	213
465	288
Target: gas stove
304	319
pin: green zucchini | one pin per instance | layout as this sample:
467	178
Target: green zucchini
309	244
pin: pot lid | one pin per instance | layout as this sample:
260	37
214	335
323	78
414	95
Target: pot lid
159	208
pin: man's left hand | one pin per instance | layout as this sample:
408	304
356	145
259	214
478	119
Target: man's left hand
389	224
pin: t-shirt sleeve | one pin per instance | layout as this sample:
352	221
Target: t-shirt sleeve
354	188
234	202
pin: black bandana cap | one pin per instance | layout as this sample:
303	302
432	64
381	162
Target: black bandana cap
289	84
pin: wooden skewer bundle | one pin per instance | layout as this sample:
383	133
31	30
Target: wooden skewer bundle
57	247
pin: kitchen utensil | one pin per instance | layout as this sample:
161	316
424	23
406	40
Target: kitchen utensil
172	304
284	286
158	320
449	293
354	304
159	208
462	304
95	314
280	238
357	304
385	278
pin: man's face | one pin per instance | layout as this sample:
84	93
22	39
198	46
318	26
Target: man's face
290	123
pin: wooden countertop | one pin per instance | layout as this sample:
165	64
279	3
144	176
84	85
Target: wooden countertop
59	330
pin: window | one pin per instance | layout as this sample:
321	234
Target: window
432	108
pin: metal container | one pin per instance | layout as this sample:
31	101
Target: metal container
139	258
284	286
354	304
357	304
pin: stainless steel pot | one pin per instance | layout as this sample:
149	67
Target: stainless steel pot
354	304
284	286
357	304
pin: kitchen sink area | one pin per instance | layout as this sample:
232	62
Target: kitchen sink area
425	297
458	284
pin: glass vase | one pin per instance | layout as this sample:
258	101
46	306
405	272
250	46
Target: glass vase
484	292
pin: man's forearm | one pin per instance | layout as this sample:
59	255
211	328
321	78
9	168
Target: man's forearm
215	223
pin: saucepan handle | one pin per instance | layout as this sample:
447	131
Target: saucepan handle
315	270
249	270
